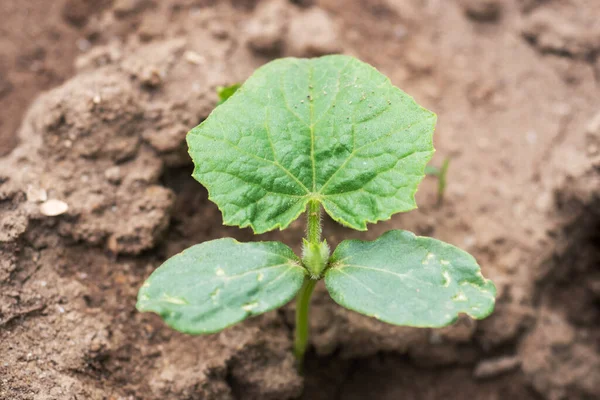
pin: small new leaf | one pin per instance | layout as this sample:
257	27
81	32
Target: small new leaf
213	285
330	129
225	92
409	280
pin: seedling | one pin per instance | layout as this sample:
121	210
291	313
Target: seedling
440	174
225	92
300	136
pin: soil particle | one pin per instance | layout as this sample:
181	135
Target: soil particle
482	10
496	366
564	29
265	31
312	33
77	12
125	8
556	363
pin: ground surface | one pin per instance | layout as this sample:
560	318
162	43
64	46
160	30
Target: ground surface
516	85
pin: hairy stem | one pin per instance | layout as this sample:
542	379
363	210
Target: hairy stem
302	327
314	222
313	237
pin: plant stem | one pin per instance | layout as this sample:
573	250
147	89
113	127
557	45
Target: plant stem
313	236
314	222
302	327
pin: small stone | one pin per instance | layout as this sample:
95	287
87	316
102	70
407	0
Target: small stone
113	175
593	126
124	8
151	77
36	195
194	58
152	27
266	29
482	10
53	207
312	33
495	366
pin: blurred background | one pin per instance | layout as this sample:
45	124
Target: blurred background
96	98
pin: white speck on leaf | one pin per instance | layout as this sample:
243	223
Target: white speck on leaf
173	300
249	306
215	295
460	297
219	272
447	278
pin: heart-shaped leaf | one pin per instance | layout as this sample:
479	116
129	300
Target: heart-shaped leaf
331	129
409	280
213	285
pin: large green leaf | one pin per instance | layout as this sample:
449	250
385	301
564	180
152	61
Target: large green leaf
213	285
409	280
332	129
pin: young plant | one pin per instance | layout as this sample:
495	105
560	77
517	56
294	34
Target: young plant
440	174
225	92
302	135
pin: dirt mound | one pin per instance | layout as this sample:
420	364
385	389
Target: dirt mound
98	194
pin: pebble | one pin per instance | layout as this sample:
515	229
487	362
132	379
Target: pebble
495	366
53	207
593	126
113	175
312	33
36	195
482	10
265	31
194	58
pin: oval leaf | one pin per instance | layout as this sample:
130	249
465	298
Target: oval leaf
213	285
409	280
332	129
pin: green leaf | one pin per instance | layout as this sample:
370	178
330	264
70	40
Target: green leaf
331	129
225	92
213	285
409	280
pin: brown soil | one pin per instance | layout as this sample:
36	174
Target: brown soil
516	85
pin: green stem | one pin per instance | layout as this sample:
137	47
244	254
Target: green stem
313	233
314	222
302	327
